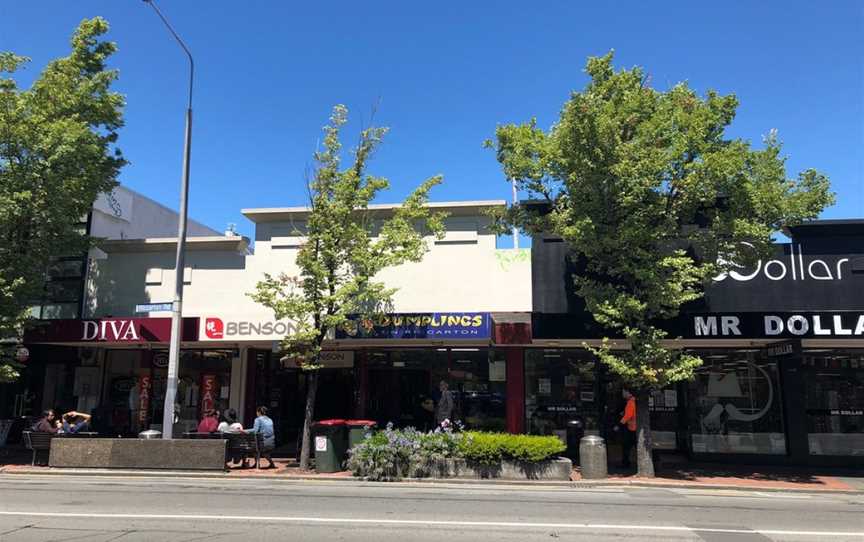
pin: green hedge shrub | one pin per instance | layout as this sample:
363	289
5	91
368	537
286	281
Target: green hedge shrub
489	448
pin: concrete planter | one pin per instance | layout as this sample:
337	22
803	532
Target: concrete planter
113	453
551	469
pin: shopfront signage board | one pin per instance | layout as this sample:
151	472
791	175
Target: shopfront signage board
239	327
437	325
109	330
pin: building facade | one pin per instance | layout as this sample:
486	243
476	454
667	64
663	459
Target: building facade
783	344
449	311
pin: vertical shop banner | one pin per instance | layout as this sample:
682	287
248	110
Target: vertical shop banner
145	384
209	387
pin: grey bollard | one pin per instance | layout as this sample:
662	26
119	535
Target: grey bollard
592	458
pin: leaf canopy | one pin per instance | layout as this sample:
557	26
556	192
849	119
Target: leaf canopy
654	199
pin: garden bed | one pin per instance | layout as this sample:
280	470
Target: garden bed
407	453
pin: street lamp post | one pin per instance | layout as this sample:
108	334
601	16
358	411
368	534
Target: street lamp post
177	305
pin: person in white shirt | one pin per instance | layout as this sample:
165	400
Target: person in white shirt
229	423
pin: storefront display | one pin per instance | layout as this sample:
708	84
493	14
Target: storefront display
134	392
561	395
834	395
735	404
403	385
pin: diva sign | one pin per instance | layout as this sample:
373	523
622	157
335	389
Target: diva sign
109	330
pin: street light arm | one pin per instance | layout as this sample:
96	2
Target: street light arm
182	44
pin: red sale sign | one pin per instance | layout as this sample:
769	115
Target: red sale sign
144	385
209	385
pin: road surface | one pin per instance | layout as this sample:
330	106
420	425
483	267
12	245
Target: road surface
102	509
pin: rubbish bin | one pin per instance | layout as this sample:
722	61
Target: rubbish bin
357	430
150	434
592	458
330	445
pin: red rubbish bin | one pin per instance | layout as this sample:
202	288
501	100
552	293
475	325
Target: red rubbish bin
330	444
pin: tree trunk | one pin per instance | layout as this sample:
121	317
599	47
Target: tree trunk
311	391
644	444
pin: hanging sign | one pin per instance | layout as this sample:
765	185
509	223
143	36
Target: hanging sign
209	387
145	383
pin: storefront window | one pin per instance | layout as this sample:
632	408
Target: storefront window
478	380
561	395
834	391
404	387
735	404
665	411
134	392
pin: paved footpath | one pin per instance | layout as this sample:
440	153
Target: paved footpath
688	476
108	508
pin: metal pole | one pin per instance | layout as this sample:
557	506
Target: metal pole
515	200
179	265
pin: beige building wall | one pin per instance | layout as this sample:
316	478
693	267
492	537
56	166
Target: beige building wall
463	272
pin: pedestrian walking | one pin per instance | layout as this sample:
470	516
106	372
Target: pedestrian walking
444	411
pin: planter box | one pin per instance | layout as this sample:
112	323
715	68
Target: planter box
115	453
551	469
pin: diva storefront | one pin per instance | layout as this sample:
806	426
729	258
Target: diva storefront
783	350
116	368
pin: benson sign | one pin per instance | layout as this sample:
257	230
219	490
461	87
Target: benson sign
241	328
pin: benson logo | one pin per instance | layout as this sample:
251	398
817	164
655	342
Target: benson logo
214	328
225	329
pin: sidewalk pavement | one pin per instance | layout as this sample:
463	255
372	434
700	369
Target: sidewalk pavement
704	476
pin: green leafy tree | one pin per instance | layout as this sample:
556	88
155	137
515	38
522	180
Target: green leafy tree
56	155
653	199
346	246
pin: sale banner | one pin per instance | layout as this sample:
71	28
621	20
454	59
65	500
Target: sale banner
145	384
209	387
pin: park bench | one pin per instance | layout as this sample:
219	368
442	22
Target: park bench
245	445
239	445
36	442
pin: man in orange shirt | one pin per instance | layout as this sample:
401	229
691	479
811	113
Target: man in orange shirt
628	420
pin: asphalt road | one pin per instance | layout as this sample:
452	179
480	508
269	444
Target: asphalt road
102	509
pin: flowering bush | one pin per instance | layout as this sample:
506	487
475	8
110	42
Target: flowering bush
395	453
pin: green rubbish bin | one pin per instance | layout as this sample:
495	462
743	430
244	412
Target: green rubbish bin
330	444
357	430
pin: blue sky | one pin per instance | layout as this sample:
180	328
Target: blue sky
443	75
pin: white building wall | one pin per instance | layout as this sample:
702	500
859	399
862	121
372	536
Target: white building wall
464	272
126	214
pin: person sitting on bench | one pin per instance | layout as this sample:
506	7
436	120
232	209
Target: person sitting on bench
76	422
48	423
